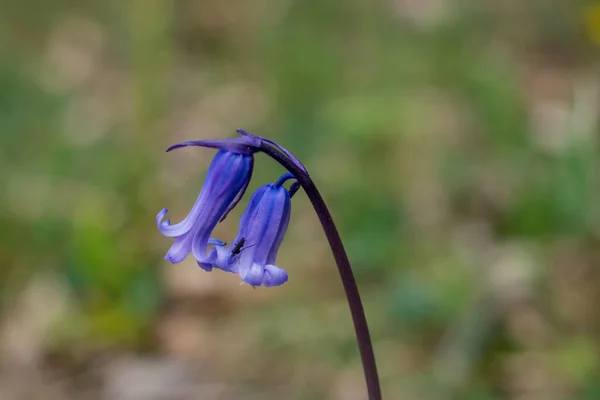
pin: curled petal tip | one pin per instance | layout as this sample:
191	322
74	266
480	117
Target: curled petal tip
171	259
274	276
216	242
253	275
205	266
160	216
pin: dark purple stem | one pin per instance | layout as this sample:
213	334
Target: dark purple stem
361	327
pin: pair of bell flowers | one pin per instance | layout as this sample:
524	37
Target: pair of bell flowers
262	227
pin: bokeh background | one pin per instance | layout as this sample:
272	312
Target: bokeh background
455	141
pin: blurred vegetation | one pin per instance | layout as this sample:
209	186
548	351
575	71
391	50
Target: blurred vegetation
456	143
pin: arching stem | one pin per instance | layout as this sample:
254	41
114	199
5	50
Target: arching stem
357	311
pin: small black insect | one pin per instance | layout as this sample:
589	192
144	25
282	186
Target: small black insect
238	246
237	249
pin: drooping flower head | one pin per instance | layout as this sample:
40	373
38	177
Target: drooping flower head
226	181
262	226
262	229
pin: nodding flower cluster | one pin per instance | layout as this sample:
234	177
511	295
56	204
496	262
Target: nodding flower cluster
262	226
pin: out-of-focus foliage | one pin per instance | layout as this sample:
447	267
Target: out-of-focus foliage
455	142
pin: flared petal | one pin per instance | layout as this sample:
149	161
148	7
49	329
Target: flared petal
253	274
180	228
206	266
274	276
179	249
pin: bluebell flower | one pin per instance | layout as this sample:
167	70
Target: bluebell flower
262	227
226	181
261	231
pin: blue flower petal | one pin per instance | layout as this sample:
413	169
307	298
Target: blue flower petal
206	266
179	249
274	276
227	175
262	227
253	275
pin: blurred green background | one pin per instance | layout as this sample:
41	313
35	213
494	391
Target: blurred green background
456	143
